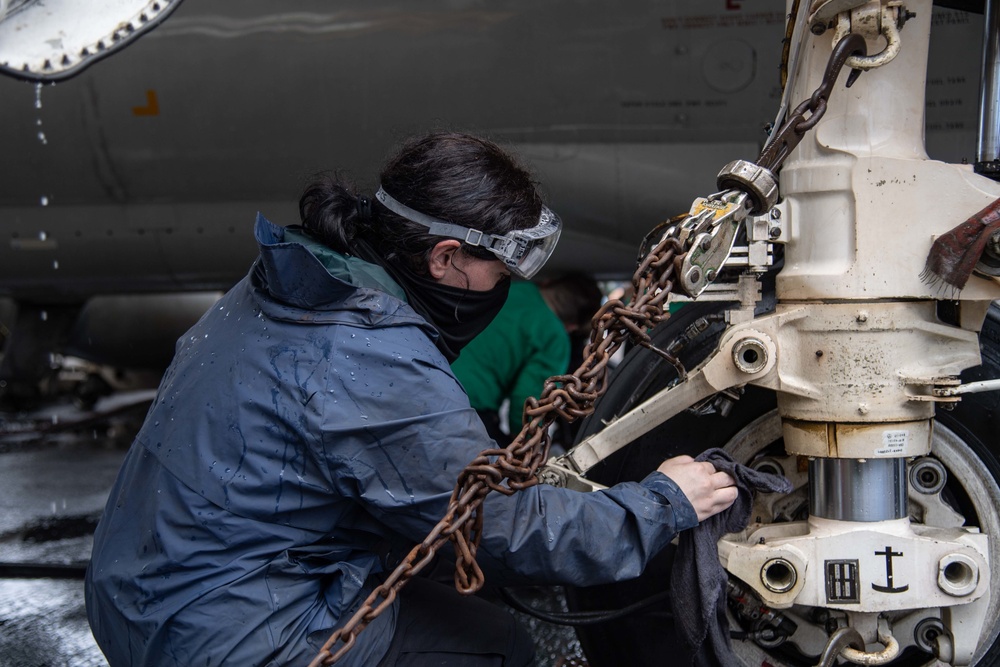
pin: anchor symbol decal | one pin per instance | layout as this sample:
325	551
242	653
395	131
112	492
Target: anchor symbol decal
889	588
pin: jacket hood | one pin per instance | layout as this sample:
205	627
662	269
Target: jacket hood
305	280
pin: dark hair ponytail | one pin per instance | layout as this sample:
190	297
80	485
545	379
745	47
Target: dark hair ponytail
328	209
456	177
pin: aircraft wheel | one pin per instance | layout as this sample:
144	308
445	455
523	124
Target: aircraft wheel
956	483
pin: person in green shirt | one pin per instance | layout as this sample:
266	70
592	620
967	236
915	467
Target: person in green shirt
527	343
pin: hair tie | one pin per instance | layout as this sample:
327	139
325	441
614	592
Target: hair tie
364	209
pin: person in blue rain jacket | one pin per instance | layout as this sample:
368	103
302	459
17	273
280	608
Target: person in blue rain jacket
309	431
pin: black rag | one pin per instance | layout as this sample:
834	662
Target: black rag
698	580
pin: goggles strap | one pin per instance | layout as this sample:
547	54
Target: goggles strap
436	227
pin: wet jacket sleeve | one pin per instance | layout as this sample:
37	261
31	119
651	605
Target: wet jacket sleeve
550	535
399	458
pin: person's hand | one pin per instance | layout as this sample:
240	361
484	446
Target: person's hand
708	490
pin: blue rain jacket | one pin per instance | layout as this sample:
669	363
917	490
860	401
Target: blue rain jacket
306	435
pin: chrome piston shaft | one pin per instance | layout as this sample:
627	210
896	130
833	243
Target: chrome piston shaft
858	489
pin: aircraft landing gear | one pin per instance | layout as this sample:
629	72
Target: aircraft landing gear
955	485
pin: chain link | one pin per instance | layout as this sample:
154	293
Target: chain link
788	136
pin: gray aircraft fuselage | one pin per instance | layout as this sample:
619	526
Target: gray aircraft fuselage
143	173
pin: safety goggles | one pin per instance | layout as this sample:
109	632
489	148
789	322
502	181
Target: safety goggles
524	251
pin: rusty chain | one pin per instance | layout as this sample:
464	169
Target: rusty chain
788	136
569	397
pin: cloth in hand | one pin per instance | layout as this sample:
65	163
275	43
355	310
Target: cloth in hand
698	580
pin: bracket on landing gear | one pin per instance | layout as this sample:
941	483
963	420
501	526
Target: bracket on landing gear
744	355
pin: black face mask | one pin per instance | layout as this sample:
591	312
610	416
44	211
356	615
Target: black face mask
459	315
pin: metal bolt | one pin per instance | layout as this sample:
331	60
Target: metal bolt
958	575
778	575
775	214
705	244
927	475
711	274
774	232
750	355
862	408
818	28
862	316
694	275
927	631
819	353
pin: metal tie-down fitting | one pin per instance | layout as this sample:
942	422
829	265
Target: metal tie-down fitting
759	183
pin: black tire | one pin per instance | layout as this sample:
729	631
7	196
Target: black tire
645	639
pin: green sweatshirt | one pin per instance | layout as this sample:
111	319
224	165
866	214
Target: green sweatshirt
511	359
